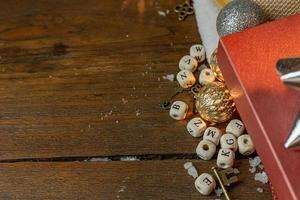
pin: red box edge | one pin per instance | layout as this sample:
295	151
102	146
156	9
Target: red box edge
253	126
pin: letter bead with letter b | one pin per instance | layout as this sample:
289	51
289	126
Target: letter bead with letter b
178	110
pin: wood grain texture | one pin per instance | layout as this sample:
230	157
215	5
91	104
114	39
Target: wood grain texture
134	180
83	78
68	69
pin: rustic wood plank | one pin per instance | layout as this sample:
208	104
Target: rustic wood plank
68	69
115	180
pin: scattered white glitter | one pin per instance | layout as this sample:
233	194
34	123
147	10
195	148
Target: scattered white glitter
169	77
122	189
261	177
218	191
127	35
259	190
167	11
50	76
254	163
162	13
137	112
117	121
124	100
105	115
158	78
191	169
145	95
236	171
187	165
128	158
252	170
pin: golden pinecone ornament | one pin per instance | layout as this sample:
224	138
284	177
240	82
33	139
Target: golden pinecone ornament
214	103
215	67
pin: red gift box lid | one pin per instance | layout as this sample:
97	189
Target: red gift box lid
267	107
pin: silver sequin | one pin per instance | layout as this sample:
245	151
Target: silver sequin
239	15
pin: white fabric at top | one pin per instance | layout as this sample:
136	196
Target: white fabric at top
206	12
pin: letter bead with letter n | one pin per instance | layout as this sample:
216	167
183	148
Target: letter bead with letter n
186	79
196	127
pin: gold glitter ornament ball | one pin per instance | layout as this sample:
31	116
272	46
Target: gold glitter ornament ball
215	66
214	103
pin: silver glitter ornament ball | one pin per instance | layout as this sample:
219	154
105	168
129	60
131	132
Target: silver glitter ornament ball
239	15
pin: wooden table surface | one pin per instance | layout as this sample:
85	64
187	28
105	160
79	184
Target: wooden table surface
83	79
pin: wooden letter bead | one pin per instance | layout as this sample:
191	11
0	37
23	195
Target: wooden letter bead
205	183
206	76
206	150
198	51
225	158
212	134
186	79
178	110
196	127
235	127
245	144
188	63
228	141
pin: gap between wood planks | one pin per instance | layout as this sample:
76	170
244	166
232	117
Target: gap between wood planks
124	158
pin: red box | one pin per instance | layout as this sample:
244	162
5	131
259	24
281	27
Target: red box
267	107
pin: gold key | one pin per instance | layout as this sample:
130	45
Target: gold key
183	10
196	89
225	177
228	176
